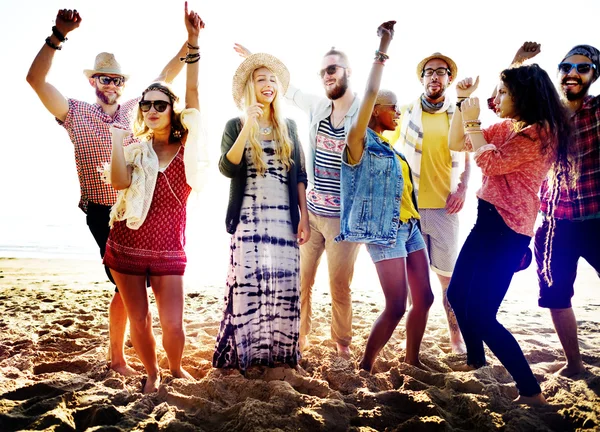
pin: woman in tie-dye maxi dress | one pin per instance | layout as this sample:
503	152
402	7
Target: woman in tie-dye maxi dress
268	220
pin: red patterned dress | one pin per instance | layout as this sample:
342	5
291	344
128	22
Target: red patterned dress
157	247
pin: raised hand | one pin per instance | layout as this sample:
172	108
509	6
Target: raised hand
253	112
527	51
470	109
386	30
241	50
67	20
193	22
466	87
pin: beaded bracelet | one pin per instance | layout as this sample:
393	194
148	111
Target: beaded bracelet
467	123
381	56
56	32
51	44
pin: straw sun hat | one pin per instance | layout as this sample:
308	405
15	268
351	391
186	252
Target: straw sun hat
105	64
249	65
437	55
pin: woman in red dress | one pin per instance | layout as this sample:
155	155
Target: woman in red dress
155	178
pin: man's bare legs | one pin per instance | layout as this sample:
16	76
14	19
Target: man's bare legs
456	340
566	329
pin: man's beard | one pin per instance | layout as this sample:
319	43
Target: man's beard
436	95
340	89
570	96
105	99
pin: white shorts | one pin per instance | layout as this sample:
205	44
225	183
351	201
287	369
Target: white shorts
440	232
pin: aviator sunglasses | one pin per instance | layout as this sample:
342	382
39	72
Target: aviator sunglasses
582	68
159	105
330	70
106	80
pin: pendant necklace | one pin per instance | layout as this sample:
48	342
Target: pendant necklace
266	130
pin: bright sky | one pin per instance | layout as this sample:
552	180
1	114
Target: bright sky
38	178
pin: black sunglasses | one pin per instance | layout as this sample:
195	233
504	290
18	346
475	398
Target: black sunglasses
159	105
330	70
106	80
582	68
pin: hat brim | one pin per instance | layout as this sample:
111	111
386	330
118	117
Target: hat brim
91	72
249	65
451	64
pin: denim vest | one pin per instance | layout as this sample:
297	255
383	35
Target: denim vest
371	194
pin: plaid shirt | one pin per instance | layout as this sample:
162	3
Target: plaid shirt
582	202
88	127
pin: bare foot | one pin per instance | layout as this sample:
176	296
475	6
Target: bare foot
124	369
344	351
151	384
570	370
535	400
182	373
303	343
364	366
458	346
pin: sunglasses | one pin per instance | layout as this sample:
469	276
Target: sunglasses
159	105
330	70
439	72
582	68
106	80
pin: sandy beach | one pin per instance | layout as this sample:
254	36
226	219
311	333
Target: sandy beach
54	374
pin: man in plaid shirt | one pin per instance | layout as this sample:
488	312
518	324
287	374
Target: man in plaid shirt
571	226
88	127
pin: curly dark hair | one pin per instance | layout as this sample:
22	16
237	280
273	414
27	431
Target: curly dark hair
537	102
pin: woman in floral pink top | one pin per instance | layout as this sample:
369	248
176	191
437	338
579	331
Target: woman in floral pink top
514	156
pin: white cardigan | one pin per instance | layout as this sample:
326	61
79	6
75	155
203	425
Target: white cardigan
133	203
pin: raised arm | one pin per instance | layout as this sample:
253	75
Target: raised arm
525	52
193	24
356	134
456	136
66	21
120	173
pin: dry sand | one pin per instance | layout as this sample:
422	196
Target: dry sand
54	375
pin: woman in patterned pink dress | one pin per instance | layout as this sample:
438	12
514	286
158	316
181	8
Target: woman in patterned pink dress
514	156
155	178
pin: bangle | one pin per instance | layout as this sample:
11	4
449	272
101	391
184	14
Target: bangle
51	44
190	46
381	56
56	32
474	122
190	56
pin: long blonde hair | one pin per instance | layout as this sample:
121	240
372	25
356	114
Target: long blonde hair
283	143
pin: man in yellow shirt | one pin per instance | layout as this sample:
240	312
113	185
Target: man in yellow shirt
439	181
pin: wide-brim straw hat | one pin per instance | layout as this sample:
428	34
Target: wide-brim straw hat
249	65
437	55
105	63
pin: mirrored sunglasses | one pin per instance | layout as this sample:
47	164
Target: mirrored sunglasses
159	105
582	68
106	80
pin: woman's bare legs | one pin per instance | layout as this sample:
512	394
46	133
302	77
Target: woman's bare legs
132	289
168	291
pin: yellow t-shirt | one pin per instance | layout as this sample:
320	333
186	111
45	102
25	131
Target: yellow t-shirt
436	160
407	207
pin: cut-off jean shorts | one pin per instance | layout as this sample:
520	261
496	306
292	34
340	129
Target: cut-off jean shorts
408	240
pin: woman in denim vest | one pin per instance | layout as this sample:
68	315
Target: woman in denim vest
379	208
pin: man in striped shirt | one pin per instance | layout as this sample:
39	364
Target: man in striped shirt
330	119
88	127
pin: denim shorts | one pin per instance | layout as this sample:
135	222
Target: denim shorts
408	240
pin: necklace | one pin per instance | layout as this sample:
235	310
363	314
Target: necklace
266	130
